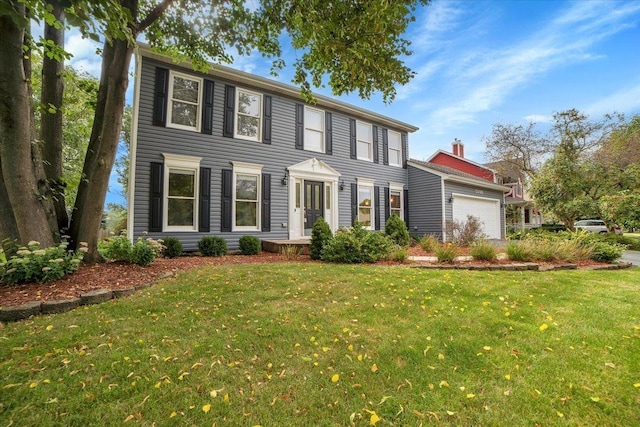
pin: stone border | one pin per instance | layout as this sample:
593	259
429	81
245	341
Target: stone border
97	296
34	308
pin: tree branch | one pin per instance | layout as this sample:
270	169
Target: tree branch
153	15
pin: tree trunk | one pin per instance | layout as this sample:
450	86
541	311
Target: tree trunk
103	145
16	142
8	227
51	122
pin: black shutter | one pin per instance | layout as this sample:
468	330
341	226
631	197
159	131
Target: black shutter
207	108
266	121
387	203
266	202
328	133
299	127
229	110
352	138
156	196
405	150
406	207
385	146
354	203
227	199
376	206
204	208
161	97
376	154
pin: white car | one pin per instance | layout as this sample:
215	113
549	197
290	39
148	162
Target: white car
595	226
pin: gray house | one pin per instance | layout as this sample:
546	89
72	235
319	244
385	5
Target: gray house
440	194
228	153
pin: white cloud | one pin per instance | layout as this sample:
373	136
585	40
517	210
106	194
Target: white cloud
84	55
625	100
538	118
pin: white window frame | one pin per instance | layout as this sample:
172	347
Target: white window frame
183	163
170	123
365	183
398	158
258	137
398	188
321	131
250	169
369	156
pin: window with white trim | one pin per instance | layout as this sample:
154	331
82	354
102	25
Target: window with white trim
247	185
395	200
181	176
394	148
366	203
185	101
313	129
364	141
248	115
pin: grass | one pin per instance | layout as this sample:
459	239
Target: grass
318	344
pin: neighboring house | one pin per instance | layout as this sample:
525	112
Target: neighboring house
456	160
228	153
440	194
521	212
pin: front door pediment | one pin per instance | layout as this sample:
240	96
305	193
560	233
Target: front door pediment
314	168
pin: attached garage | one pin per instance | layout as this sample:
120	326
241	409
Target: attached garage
485	209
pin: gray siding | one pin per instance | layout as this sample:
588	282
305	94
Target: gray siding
425	202
217	152
470	190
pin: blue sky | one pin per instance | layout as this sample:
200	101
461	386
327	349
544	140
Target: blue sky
484	62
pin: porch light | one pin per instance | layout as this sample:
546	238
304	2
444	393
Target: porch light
451	199
341	185
285	178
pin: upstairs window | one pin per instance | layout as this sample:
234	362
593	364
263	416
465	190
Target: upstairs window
248	115
395	148
314	129
364	141
185	95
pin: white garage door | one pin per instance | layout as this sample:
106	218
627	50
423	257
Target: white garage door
487	210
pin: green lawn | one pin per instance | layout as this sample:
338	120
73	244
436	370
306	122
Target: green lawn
324	345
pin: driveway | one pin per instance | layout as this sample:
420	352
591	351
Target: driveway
631	256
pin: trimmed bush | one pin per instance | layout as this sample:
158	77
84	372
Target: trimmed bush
212	246
250	245
320	235
397	230
606	252
399	254
446	252
483	251
116	248
142	253
172	247
357	245
32	264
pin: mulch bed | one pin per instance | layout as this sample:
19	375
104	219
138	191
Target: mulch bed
120	276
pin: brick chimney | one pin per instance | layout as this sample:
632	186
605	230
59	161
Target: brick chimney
458	148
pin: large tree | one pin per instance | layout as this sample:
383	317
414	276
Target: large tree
357	43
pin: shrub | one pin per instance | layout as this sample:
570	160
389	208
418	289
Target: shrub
429	243
356	245
606	252
519	251
33	264
320	235
397	230
399	254
143	252
250	245
483	251
212	246
172	247
464	233
446	252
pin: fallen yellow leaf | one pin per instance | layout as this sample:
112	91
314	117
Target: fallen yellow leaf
374	368
543	326
335	378
206	408
49	327
173	414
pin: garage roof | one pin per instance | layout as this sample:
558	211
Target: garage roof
452	174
